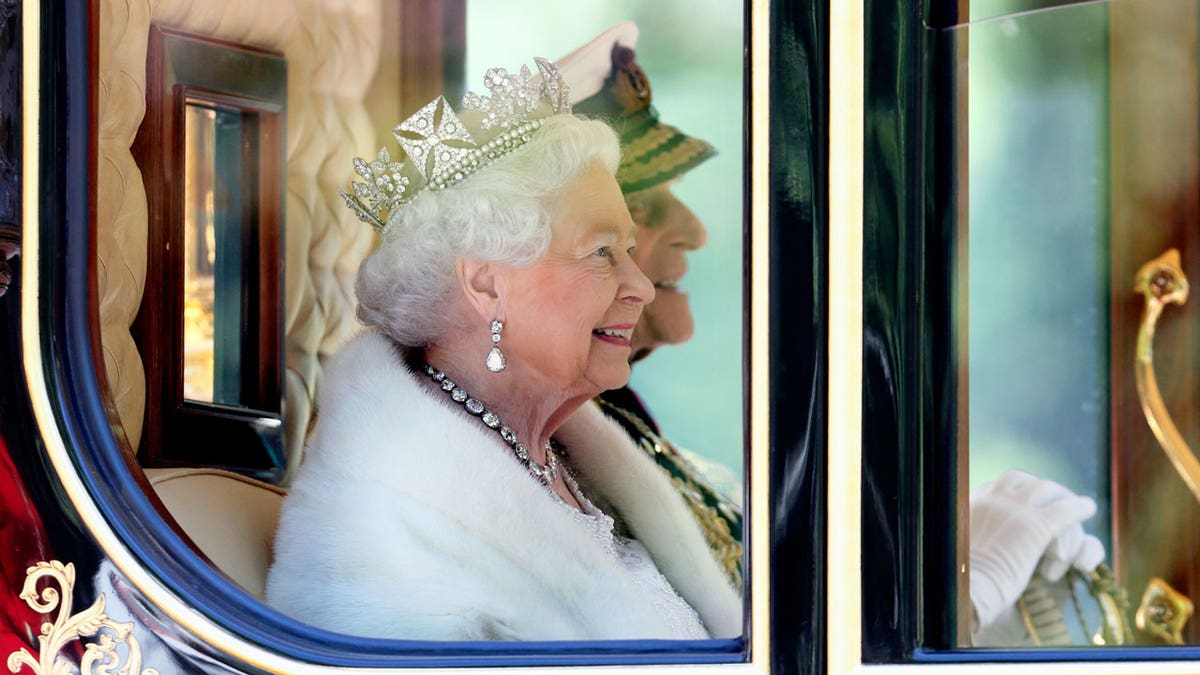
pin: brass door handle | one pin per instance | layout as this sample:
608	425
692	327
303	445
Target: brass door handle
1162	282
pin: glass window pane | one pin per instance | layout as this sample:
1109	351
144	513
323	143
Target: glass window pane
1081	156
1038	221
213	257
198	256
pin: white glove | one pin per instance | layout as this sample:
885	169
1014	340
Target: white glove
1017	521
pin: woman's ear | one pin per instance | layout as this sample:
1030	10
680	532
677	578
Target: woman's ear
482	285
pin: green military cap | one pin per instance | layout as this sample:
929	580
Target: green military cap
607	82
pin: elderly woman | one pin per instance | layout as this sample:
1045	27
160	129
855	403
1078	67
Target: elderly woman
442	496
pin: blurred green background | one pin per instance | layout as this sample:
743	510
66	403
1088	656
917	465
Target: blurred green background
691	51
1038	289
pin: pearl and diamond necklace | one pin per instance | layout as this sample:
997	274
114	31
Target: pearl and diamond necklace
545	473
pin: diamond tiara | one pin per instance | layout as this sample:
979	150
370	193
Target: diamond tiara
440	150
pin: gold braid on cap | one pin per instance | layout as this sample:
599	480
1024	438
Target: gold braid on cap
440	150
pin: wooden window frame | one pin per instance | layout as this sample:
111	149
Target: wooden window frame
235	78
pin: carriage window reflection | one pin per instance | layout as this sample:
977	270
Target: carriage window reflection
1080	159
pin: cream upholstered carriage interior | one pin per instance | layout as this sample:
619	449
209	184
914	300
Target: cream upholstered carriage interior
230	518
334	52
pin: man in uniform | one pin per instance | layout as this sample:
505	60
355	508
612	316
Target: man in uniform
606	82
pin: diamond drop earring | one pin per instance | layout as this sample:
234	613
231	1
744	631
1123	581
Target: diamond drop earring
495	357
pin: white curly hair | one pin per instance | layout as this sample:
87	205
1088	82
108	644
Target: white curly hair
501	213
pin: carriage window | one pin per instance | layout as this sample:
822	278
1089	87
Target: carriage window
209	327
1079	166
211	156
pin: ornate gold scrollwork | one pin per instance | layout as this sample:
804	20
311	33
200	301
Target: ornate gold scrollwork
1164	612
100	656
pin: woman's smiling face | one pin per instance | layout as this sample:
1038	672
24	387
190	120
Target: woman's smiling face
570	316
